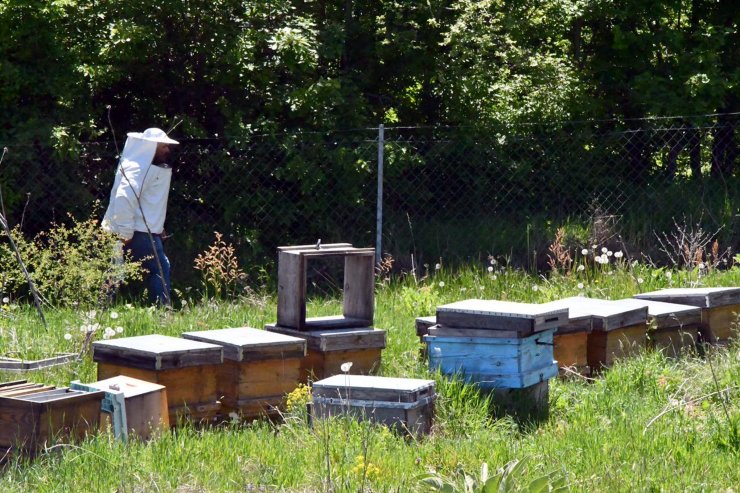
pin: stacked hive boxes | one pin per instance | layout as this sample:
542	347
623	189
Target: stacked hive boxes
332	340
497	345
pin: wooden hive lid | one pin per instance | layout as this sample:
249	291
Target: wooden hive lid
131	387
247	343
372	388
605	315
667	314
156	352
701	297
327	250
501	315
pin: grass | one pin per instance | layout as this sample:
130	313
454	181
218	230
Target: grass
648	424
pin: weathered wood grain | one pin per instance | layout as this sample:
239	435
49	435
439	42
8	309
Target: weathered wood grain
246	343
606	347
524	318
156	352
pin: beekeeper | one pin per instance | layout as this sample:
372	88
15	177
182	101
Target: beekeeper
138	206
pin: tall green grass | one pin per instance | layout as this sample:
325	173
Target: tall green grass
648	424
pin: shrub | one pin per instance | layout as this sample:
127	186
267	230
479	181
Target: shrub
70	264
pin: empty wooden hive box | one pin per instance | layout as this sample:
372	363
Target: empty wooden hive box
495	344
618	329
259	368
132	407
720	309
188	369
405	404
672	328
33	416
359	286
336	339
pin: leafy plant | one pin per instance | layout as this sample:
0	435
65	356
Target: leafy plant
506	479
70	264
220	270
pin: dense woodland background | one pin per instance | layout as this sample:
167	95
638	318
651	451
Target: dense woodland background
231	68
506	119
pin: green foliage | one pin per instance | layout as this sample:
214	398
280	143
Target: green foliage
70	264
507	479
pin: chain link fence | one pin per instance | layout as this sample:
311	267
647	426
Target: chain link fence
460	194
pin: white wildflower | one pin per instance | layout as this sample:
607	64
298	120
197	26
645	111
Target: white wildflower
441	284
346	366
91	314
490	268
640	280
669	275
119	330
580	285
604	249
6	300
109	332
113	315
584	251
581	268
618	254
609	253
437	266
535	288
67	336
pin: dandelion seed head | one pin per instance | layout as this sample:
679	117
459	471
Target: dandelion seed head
604	249
437	266
345	367
119	330
535	288
490	268
67	336
618	254
609	253
640	280
581	268
6	300
669	275
584	251
580	285
441	284
113	315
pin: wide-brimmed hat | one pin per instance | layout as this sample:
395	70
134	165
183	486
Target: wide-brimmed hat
153	135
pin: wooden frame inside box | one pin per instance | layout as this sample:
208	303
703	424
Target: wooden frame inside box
403	404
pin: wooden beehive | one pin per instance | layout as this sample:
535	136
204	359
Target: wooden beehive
34	416
618	330
404	404
422	326
494	362
720	309
571	339
358	304
132	407
327	350
259	368
188	369
523	318
673	328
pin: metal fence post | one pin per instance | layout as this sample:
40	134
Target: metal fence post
379	206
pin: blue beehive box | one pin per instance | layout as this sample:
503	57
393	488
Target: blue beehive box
493	362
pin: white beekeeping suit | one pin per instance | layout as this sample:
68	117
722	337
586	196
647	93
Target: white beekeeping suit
138	200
